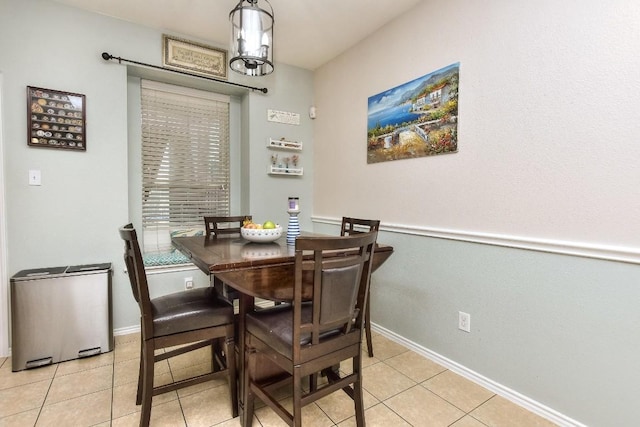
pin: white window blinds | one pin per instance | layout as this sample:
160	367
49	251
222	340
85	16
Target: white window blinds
185	159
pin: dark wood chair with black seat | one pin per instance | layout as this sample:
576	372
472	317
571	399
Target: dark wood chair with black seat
321	328
189	319
353	226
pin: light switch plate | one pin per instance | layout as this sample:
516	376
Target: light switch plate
35	178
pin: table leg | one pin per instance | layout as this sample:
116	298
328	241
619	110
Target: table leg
218	360
245	303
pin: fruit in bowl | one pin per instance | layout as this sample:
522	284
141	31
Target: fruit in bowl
248	224
266	232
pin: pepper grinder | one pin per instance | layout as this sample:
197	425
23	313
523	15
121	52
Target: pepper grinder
293	229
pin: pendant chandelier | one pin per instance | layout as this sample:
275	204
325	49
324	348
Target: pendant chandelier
251	38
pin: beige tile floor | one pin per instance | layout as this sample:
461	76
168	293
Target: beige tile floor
402	388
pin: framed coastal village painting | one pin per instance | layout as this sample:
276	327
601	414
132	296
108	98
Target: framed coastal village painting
416	119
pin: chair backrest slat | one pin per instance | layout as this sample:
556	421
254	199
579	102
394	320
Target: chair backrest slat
358	225
217	226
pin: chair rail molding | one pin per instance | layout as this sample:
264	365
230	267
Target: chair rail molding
580	249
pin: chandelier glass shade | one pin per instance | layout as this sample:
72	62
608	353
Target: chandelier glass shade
251	38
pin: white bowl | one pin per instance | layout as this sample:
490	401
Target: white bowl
261	235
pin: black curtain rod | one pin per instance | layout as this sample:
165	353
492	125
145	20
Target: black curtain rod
106	56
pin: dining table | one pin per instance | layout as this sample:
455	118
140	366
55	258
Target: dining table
243	271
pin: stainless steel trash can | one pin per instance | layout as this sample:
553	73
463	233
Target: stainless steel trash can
59	314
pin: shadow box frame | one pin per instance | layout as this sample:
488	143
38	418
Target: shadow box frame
56	119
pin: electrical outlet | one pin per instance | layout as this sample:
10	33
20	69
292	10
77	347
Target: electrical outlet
464	321
188	282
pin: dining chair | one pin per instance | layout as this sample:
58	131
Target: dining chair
217	226
186	320
354	226
319	329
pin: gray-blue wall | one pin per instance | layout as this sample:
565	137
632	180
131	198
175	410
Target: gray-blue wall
73	217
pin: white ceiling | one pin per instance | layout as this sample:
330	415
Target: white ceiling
307	33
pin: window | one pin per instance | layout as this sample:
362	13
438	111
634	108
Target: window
185	160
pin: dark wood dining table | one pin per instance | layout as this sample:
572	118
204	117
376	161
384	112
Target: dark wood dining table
254	270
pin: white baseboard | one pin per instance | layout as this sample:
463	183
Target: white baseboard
509	394
127	330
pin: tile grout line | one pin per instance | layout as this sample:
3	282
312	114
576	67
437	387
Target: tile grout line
46	394
113	384
399	416
420	384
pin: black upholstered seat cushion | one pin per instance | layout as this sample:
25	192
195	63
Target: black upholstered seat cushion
275	327
189	310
